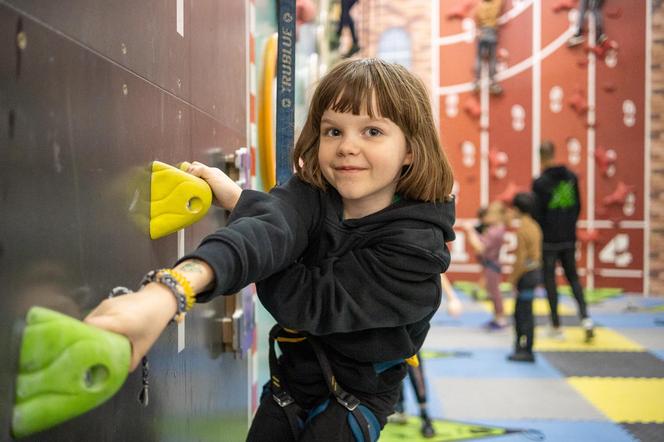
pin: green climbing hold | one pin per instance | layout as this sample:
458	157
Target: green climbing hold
66	368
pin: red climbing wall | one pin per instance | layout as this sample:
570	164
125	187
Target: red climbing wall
589	100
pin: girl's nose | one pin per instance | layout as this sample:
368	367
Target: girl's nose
346	146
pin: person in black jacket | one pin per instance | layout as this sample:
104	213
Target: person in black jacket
346	256
557	208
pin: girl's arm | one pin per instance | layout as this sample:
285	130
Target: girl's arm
454	307
474	239
143	315
265	233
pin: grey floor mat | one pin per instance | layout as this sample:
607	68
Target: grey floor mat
606	364
646	432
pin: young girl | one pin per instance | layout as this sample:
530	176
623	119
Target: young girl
487	245
347	257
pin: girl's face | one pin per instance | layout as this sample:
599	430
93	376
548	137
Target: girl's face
495	214
362	158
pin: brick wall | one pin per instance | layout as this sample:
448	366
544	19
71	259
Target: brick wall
373	17
657	153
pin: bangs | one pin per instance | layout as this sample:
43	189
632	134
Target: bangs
362	87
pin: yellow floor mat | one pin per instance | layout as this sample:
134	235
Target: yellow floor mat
627	400
605	340
540	307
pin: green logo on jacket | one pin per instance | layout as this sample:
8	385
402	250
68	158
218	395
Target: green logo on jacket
564	196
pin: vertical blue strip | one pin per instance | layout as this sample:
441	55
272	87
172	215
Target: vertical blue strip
285	89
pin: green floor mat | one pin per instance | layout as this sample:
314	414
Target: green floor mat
446	430
477	292
593	296
437	354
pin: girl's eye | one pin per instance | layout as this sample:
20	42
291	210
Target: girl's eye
374	132
332	132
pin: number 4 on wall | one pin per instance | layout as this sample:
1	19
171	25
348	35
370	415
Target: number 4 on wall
617	251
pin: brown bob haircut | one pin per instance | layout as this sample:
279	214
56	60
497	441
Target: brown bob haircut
385	90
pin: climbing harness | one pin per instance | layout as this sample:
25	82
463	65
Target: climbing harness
364	425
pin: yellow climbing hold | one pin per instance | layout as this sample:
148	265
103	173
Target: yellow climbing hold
177	199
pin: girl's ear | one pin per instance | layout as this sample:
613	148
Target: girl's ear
408	159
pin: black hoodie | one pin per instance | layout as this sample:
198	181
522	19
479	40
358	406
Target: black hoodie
557	206
365	287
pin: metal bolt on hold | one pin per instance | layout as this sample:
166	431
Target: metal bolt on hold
179	115
21	40
179	83
125	89
124	49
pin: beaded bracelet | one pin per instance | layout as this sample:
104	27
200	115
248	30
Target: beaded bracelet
186	287
177	284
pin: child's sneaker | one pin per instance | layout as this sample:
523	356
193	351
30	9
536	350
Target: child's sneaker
427	429
398	417
496	88
589	328
494	325
556	333
575	40
522	356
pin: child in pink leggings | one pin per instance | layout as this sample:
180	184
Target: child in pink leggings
487	245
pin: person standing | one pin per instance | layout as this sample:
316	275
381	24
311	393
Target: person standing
557	208
526	275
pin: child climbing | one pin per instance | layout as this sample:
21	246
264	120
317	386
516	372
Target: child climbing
347	257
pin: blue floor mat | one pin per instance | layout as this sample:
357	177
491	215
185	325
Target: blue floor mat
563	431
626	320
488	363
474	319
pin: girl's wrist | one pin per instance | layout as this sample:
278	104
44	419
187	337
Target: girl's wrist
161	301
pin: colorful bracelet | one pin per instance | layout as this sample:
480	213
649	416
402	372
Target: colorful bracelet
186	287
177	284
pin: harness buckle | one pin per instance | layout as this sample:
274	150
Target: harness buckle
282	398
349	401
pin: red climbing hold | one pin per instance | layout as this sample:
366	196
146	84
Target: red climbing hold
619	195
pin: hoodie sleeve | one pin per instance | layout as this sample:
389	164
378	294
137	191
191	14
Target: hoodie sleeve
541	200
392	282
266	233
578	197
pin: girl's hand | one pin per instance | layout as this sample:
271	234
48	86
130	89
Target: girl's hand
454	307
468	226
226	191
141	317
